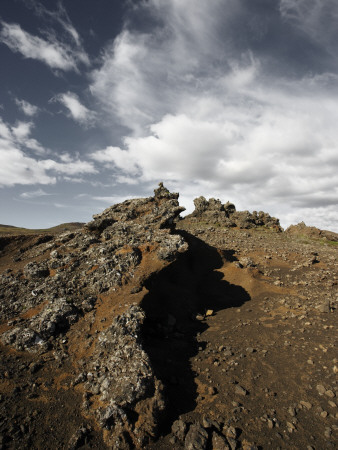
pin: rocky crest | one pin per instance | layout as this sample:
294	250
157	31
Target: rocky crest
62	284
212	211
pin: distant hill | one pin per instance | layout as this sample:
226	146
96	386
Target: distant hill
11	230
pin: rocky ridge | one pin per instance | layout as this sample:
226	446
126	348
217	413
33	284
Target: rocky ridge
145	330
62	284
212	211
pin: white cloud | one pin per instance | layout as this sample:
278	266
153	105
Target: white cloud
77	111
75	167
20	135
27	108
18	167
54	53
34	194
73	179
22	130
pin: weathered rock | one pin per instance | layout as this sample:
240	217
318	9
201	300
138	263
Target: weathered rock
212	211
196	438
240	390
21	338
35	271
324	306
159	211
127	384
179	429
219	442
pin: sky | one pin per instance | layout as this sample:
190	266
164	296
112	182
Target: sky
232	99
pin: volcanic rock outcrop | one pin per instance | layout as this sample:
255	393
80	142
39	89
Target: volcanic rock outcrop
68	279
212	211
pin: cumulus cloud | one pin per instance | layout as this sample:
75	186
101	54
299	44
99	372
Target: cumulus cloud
19	167
77	111
20	135
55	53
27	108
212	110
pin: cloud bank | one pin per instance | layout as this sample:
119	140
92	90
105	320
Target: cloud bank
19	166
214	111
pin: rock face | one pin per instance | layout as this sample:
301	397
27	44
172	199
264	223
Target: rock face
66	280
212	211
122	378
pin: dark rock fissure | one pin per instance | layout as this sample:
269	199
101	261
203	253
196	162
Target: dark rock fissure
187	288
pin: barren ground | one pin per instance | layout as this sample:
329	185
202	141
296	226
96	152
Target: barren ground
241	330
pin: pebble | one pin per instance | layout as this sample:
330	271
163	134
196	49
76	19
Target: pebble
324	307
307	405
290	427
179	429
270	424
321	389
330	393
327	432
196	438
292	411
231	432
241	391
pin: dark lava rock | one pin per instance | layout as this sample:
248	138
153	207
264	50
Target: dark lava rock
212	211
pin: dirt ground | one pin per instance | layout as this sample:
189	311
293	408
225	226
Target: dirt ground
240	329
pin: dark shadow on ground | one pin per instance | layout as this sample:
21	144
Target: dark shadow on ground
188	287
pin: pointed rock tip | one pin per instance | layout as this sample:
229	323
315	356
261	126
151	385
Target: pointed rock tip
163	192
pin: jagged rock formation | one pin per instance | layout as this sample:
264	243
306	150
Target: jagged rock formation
61	283
212	211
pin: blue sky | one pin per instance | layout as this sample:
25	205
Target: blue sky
233	99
